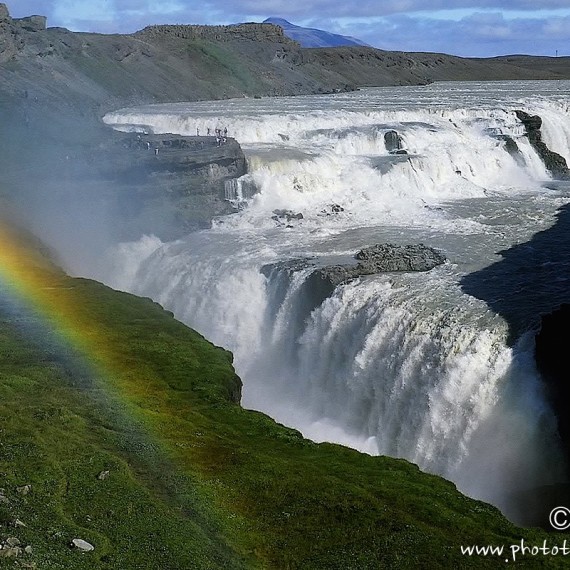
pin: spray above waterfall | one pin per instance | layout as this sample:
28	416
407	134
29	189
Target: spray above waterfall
400	364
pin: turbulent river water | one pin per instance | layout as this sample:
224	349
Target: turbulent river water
409	364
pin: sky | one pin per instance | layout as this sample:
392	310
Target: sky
471	28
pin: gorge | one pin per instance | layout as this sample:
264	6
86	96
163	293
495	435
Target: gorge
435	367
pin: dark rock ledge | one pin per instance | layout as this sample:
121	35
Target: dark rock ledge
379	258
555	163
382	258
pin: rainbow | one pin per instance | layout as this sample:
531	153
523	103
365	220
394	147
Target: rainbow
35	289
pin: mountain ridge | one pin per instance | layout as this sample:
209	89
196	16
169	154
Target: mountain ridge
313	37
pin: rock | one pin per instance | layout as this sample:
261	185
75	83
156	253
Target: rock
286	215
188	178
389	257
19	523
532	123
24	490
4	13
379	258
332	209
510	145
103	475
10	552
393	142
28	549
32	23
555	163
83	545
12	541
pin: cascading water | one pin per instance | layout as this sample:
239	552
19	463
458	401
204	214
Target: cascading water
400	364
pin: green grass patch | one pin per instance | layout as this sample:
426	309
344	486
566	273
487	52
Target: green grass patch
195	481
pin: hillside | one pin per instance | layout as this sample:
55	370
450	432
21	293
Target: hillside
122	427
95	72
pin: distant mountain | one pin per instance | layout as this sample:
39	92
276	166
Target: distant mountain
311	37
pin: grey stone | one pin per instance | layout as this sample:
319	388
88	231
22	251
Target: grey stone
10	552
510	145
554	162
393	142
32	23
82	545
4	13
286	216
103	475
379	258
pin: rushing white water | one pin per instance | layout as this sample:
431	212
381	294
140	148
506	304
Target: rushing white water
400	364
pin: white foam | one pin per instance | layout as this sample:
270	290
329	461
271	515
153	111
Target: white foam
405	365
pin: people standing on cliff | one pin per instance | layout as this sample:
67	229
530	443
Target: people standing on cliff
197	131
156	151
225	132
209	131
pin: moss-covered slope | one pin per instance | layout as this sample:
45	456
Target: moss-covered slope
130	437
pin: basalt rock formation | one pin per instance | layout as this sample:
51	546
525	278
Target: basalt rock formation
394	143
379	258
555	163
189	173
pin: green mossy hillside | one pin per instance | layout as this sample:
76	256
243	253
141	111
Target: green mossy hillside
141	449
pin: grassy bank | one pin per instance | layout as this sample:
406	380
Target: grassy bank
129	436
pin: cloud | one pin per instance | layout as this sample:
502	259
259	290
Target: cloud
374	8
69	11
477	35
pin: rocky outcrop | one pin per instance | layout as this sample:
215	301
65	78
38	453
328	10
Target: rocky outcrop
555	163
265	32
286	216
552	363
510	145
29	23
32	23
382	258
4	13
187	173
83	545
394	143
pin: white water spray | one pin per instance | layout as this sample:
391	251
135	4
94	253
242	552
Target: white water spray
405	365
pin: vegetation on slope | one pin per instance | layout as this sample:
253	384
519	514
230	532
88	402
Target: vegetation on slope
130	437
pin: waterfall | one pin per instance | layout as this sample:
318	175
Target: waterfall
406	365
